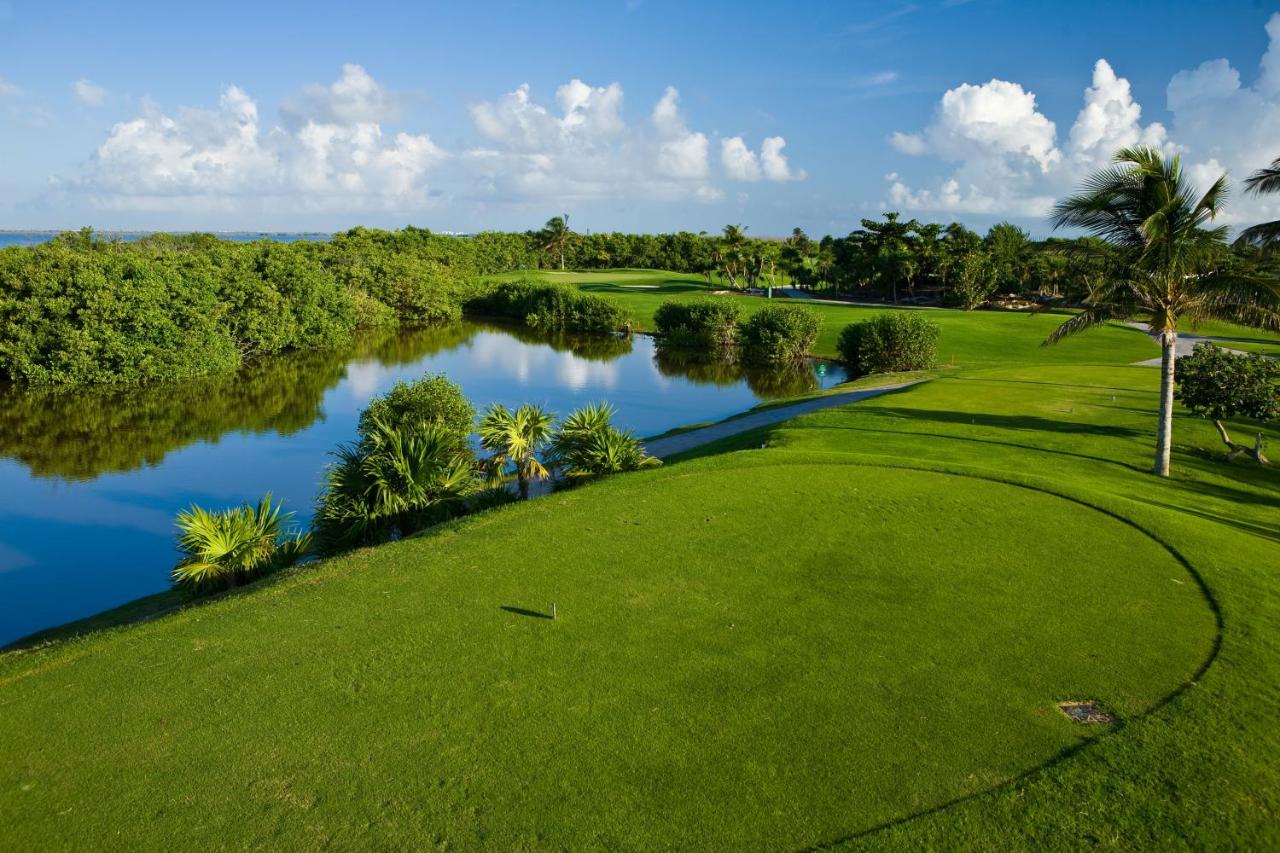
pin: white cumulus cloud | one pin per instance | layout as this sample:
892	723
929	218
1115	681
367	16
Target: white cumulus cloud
1004	152
742	164
329	148
585	149
1110	119
1005	158
1221	122
8	89
89	93
330	153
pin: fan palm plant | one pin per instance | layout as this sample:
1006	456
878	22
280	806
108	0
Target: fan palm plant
587	444
393	483
1167	265
515	439
222	549
1263	182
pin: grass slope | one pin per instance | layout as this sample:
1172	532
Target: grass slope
851	638
827	678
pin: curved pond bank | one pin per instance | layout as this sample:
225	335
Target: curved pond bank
90	479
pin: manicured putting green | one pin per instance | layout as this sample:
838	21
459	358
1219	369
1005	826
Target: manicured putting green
745	656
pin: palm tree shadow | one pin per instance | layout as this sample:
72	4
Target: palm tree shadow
1017	423
520	611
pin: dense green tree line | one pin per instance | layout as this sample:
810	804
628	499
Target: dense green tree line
80	309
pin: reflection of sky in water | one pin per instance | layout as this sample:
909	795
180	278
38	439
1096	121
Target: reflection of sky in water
70	548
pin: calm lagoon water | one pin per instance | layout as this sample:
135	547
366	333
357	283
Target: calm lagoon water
90	480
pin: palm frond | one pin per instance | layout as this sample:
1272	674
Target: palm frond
220	549
1094	315
1264	235
1265	180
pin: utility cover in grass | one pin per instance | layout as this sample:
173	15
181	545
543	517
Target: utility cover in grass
1086	712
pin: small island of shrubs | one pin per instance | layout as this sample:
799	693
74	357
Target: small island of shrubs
784	335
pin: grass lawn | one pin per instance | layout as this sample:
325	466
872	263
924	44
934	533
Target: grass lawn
968	339
1243	337
855	636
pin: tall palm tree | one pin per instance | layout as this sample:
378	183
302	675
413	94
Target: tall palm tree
1263	182
1167	266
556	235
516	439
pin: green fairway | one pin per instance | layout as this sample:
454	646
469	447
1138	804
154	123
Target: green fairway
831	677
968	339
848	629
1242	337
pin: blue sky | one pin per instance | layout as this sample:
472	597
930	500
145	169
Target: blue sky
321	116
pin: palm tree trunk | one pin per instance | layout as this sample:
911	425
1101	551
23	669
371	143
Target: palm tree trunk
1164	435
522	481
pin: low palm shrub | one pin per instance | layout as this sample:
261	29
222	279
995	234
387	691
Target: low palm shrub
588	445
704	324
779	334
893	342
515	439
223	549
393	482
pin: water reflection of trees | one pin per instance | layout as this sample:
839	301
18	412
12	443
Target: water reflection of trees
589	347
723	369
80	433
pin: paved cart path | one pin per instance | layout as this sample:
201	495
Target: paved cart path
679	443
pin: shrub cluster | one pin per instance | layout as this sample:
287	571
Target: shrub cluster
706	324
779	335
889	343
83	310
555	307
434	400
411	466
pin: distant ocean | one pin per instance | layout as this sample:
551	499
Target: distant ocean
32	238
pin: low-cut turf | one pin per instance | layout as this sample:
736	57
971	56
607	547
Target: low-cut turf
870	650
853	637
967	339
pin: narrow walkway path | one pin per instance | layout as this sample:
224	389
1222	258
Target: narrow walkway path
679	443
1184	345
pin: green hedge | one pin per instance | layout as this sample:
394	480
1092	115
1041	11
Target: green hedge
889	343
551	307
778	335
705	324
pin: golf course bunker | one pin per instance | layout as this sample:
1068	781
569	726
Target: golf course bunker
742	656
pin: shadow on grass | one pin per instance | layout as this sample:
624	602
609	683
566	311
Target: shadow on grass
987	380
520	611
1018	423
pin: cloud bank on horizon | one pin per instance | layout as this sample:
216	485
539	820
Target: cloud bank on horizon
1007	161
988	150
328	151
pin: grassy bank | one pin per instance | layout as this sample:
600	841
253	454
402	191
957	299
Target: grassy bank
856	636
968	339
